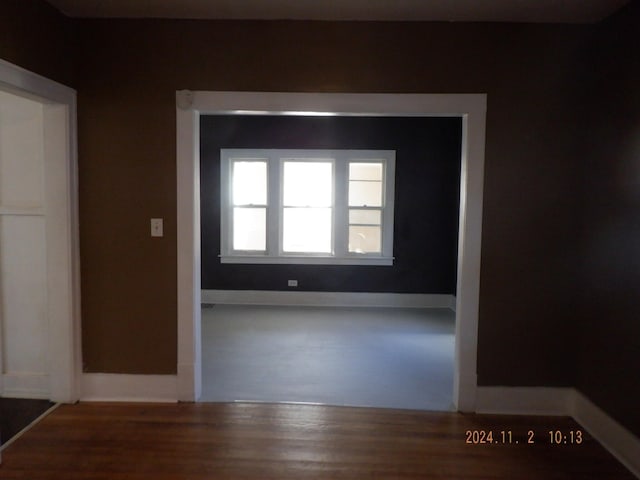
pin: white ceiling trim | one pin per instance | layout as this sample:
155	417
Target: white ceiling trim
536	11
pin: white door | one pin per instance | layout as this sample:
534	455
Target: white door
24	323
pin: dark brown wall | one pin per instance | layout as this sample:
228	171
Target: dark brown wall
37	37
132	68
610	361
560	230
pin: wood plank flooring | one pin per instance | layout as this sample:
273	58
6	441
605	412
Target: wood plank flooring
268	441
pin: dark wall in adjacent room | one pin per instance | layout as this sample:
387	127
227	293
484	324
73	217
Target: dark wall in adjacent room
427	185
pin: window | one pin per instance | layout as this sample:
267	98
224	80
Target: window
307	206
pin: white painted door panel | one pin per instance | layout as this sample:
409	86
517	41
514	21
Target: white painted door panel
24	319
21	152
23	297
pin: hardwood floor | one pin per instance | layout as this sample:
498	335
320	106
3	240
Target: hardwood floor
266	441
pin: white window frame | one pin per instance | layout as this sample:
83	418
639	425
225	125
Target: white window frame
274	253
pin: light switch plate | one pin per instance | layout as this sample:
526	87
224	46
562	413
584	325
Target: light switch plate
157	227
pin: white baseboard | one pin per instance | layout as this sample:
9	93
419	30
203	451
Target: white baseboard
328	299
19	385
109	387
619	441
523	400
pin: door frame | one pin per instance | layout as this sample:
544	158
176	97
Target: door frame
471	108
61	217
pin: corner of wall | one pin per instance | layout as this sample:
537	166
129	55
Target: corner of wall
564	401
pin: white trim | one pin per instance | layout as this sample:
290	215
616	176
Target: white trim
472	109
25	385
188	256
309	260
619	441
63	252
328	299
110	387
23	211
18	80
524	400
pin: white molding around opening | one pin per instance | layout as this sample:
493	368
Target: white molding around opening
470	107
61	211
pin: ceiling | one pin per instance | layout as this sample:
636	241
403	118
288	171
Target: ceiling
552	11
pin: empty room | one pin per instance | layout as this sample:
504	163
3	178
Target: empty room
319	240
339	342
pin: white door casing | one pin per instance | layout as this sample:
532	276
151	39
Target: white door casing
60	213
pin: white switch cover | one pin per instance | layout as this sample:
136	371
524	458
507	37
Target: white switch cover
292	283
156	227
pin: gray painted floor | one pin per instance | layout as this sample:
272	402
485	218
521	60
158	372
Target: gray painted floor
376	357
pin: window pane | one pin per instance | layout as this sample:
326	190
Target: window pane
367	217
365	171
364	239
249	229
308	184
365	194
249	183
306	230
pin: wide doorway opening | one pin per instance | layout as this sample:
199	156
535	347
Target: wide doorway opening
192	105
317	205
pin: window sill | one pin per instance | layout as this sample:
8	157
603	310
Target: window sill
315	260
